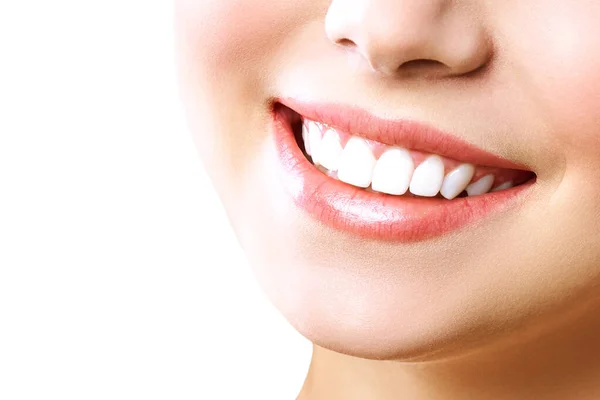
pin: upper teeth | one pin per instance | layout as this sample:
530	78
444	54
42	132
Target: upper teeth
330	150
457	180
395	171
356	163
482	186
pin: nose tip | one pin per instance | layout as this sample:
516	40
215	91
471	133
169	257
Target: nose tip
431	38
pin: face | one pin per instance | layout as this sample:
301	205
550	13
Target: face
407	178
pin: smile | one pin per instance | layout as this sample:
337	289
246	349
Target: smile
388	180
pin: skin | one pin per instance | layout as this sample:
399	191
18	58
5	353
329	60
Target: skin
508	308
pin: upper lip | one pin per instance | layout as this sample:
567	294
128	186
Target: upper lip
406	133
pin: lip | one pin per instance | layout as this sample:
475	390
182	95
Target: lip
376	215
409	134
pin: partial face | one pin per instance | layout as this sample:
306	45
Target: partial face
407	178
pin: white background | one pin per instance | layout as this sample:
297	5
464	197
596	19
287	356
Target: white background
120	277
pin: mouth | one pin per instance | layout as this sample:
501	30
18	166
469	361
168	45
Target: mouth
393	180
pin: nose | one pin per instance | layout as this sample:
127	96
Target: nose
433	38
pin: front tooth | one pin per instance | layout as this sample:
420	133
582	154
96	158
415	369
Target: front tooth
393	171
482	186
314	140
428	177
457	180
504	186
356	163
330	150
305	138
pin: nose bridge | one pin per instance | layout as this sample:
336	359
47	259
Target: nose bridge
391	33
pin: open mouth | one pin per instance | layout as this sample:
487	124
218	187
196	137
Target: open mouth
394	180
394	170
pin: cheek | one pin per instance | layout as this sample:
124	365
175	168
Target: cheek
556	57
221	45
236	35
227	53
559	51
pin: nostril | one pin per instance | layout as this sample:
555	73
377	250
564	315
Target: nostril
345	42
421	62
424	65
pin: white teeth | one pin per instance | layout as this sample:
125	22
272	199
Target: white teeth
330	150
457	180
356	163
314	141
393	171
305	138
504	186
428	177
482	186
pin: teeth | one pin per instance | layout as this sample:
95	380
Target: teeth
457	180
393	171
482	186
305	138
356	163
504	186
428	176
314	141
330	150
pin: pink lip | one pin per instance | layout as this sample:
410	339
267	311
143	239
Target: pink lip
375	215
405	133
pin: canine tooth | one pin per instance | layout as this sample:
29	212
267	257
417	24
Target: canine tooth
330	150
393	171
356	163
482	186
314	140
457	180
305	138
428	176
504	186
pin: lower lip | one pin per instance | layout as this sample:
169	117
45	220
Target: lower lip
376	215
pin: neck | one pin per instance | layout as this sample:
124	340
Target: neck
552	361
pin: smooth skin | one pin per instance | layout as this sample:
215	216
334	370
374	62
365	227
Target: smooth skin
507	308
